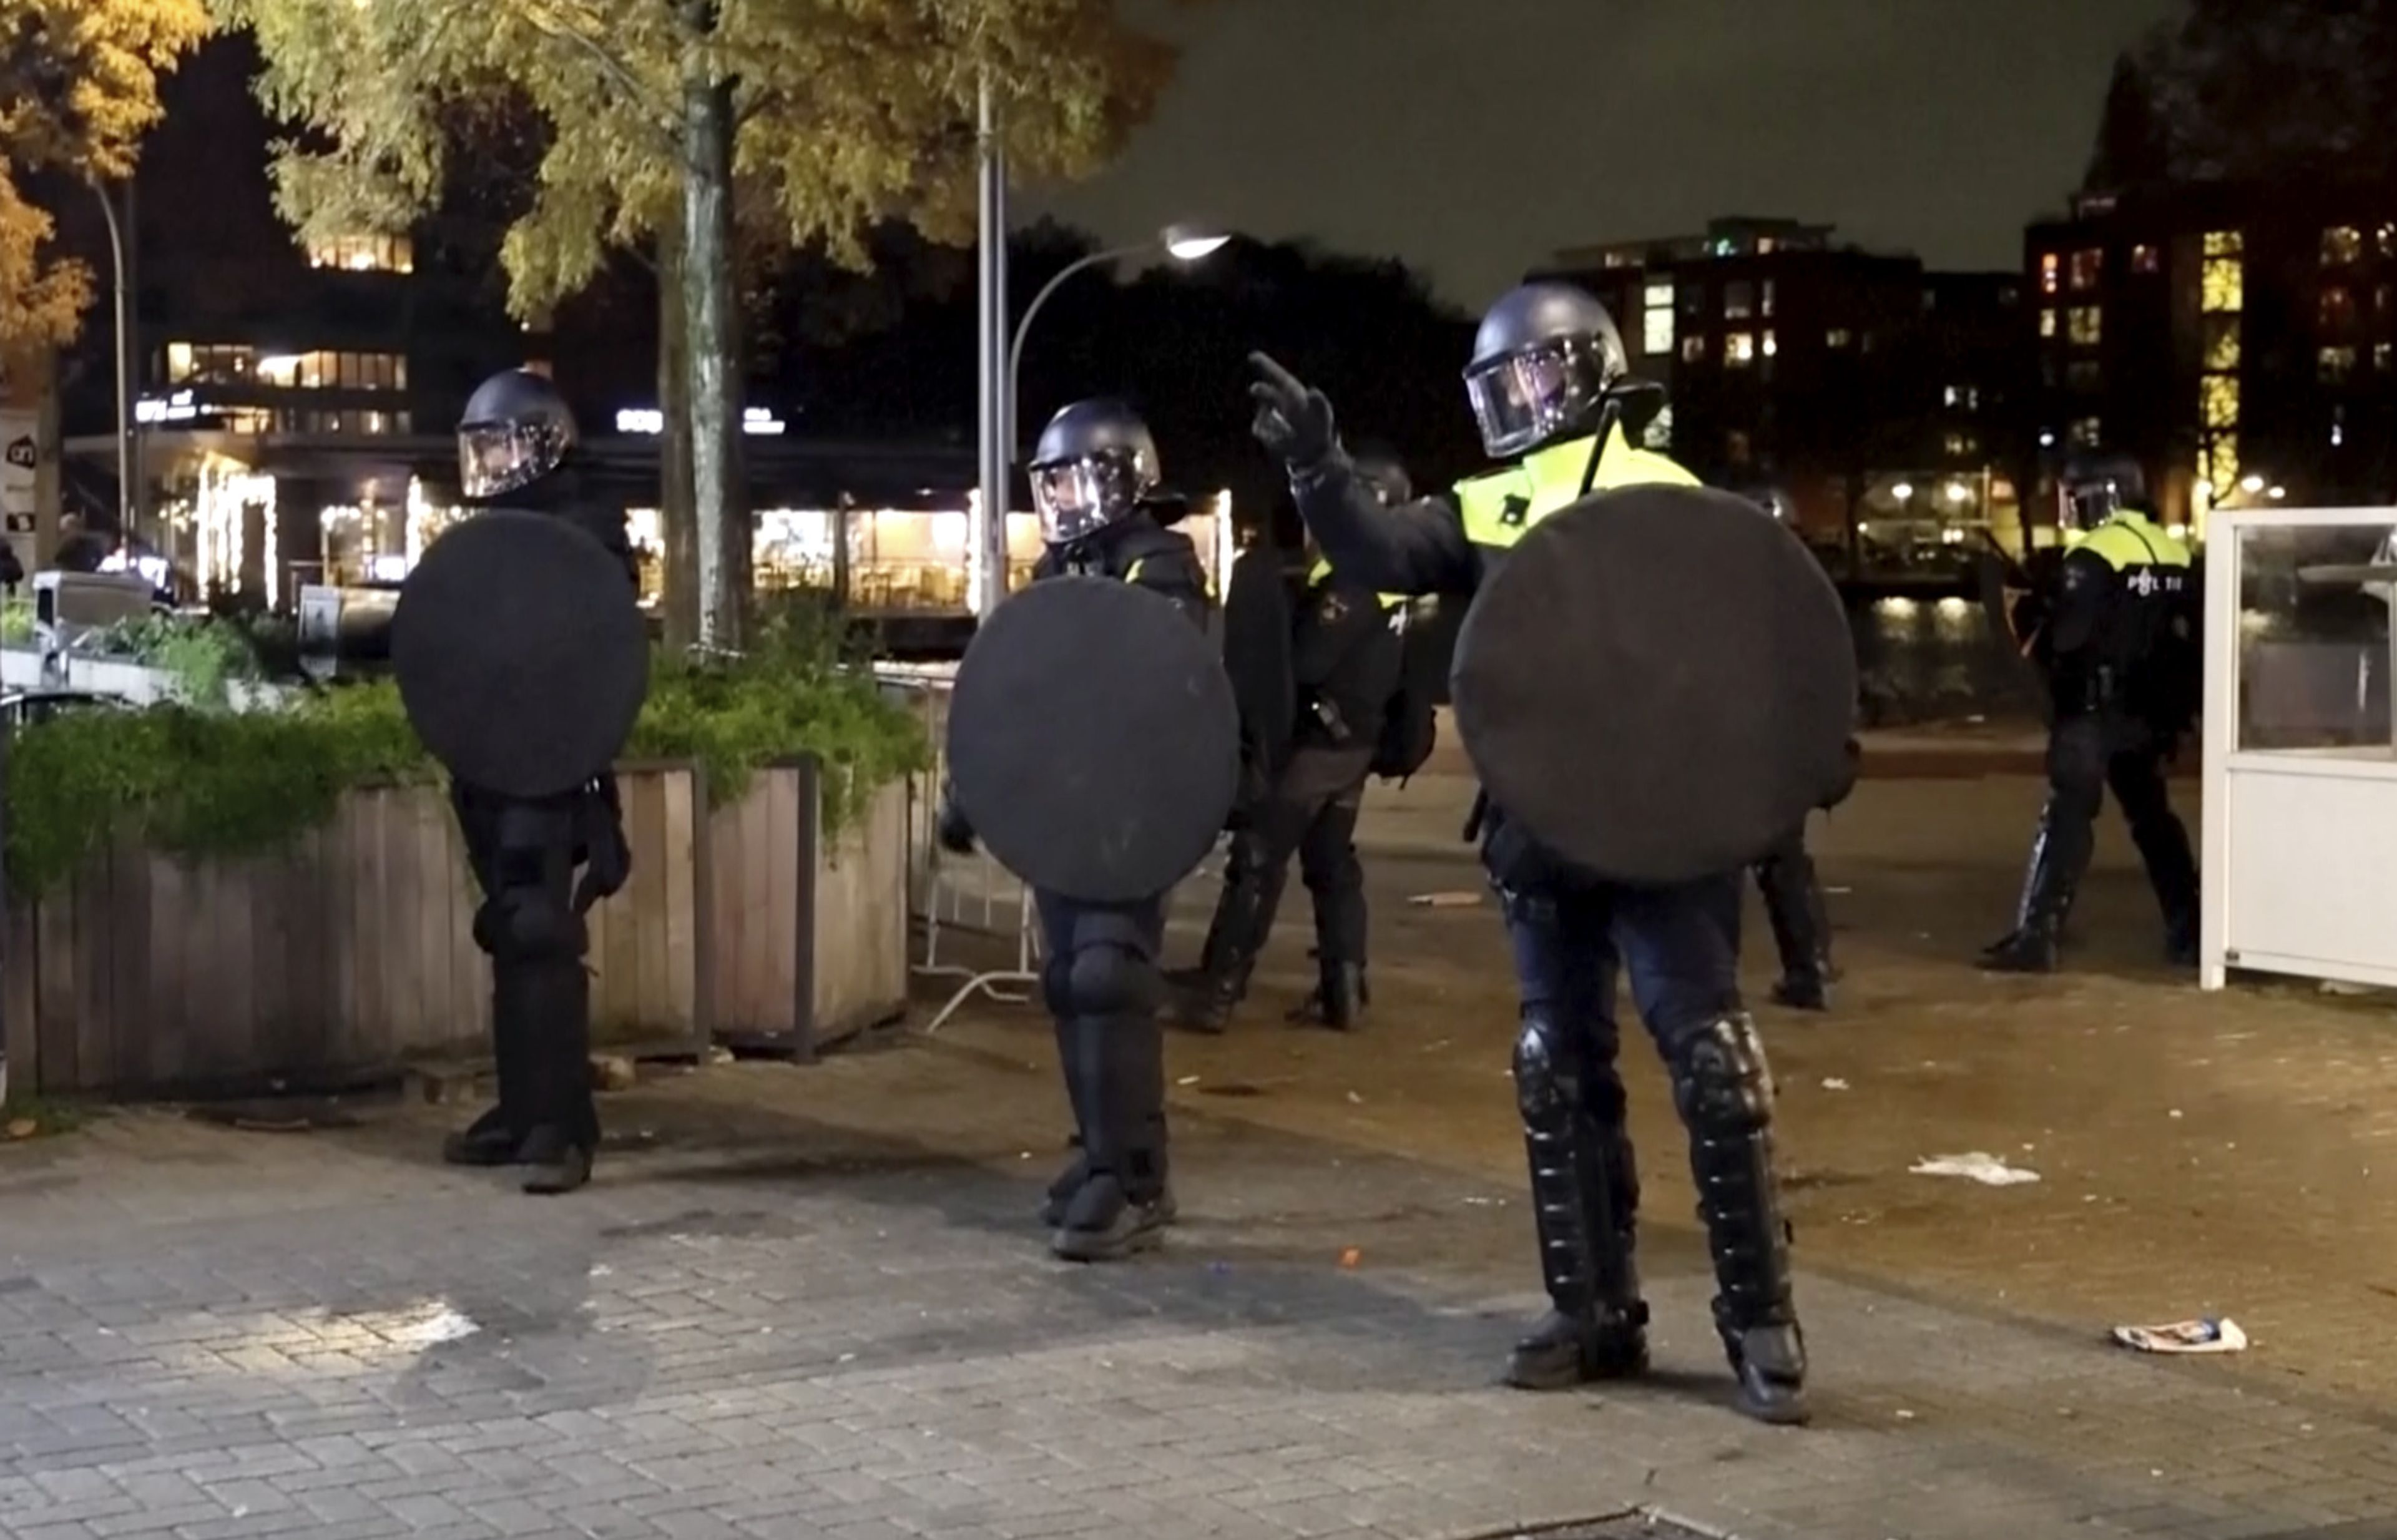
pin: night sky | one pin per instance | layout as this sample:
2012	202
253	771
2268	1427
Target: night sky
1472	137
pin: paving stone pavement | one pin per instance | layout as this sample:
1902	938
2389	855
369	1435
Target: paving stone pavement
810	1303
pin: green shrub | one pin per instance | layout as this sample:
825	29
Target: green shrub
198	779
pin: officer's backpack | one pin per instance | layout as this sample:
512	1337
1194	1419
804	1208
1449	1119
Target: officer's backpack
1410	726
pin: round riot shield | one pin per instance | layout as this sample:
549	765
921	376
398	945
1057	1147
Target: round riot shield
1658	682
1093	740
520	651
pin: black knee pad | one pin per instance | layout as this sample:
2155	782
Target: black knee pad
1110	981
1721	1080
1547	1070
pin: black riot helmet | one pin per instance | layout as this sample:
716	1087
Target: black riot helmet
517	429
1384	478
1096	463
1544	362
2098	486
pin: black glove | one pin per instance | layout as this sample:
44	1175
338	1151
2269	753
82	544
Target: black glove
950	828
1293	422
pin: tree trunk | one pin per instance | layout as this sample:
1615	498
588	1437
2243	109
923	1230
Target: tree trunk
712	318
678	510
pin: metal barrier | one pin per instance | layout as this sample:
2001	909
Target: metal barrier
952	895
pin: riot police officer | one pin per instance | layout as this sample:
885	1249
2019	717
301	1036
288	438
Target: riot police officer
517	449
1094	477
1548	384
2116	642
1343	657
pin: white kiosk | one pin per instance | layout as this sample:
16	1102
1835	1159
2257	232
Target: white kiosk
2300	812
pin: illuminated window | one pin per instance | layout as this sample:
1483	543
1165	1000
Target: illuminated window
1739	349
1768	299
2341	246
2225	243
179	363
1772	345
2335	311
1966	398
2050	277
2218	402
1739	301
2086	268
2336	364
364	253
2088	432
2047	323
2146	258
1962	445
1656	320
2084	326
2221	285
2222	343
1764	245
2385	239
1838	337
1694	347
1738	446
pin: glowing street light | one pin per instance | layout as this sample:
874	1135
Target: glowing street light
1903	492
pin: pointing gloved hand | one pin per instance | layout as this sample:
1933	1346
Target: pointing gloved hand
1293	422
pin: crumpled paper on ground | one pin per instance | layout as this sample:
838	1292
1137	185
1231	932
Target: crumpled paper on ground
1976	1165
2209	1334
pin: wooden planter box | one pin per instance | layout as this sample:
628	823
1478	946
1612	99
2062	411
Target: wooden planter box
353	950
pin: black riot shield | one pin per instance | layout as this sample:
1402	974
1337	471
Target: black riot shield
521	655
1257	624
1659	684
1092	740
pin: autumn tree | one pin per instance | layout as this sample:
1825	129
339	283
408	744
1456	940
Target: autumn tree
78	88
676	126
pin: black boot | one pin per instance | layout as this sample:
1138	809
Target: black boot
490	1140
2172	872
1338	1001
1801	929
554	996
1724	1093
493	1138
1585	1195
2059	853
1126	1202
1071	1069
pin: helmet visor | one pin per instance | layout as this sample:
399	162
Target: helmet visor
2091	504
1078	497
1534	396
498	457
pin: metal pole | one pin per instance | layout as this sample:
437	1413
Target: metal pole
128	497
1015	350
994	429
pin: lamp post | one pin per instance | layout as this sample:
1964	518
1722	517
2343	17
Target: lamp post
1183	243
128	496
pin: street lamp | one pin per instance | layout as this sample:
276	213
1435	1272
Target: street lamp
128	505
1182	242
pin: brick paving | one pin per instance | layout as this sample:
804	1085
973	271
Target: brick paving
809	1301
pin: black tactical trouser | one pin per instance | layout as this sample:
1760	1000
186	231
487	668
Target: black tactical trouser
1310	812
1682	956
1102	985
2086	755
524	854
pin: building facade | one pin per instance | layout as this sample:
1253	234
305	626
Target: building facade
2235	339
1872	399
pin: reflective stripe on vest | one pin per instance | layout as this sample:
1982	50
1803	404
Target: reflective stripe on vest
1498	507
1323	569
